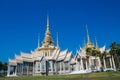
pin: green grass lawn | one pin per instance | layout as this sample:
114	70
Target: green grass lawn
113	75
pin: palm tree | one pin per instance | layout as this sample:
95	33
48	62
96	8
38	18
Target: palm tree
1	65
103	57
118	50
113	53
89	51
1	68
95	53
5	68
88	54
118	53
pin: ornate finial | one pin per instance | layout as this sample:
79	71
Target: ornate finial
88	37
47	42
89	44
38	40
48	29
96	44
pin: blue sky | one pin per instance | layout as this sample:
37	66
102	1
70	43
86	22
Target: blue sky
22	20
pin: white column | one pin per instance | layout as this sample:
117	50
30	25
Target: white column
81	64
55	67
8	71
45	65
99	62
33	68
52	66
110	62
41	67
60	67
64	67
69	67
78	65
89	64
86	65
113	63
22	69
95	64
15	70
104	63
27	70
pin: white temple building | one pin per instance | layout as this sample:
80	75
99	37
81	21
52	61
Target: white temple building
48	59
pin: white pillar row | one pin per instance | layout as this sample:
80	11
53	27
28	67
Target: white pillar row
113	62
110	62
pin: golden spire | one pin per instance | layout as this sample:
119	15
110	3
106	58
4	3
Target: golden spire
89	44
48	29
97	47
88	37
47	42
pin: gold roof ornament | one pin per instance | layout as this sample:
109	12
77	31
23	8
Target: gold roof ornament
89	43
97	47
47	42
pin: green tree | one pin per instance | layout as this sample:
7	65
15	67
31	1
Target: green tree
114	51
5	68
89	51
95	53
118	53
104	56
1	65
